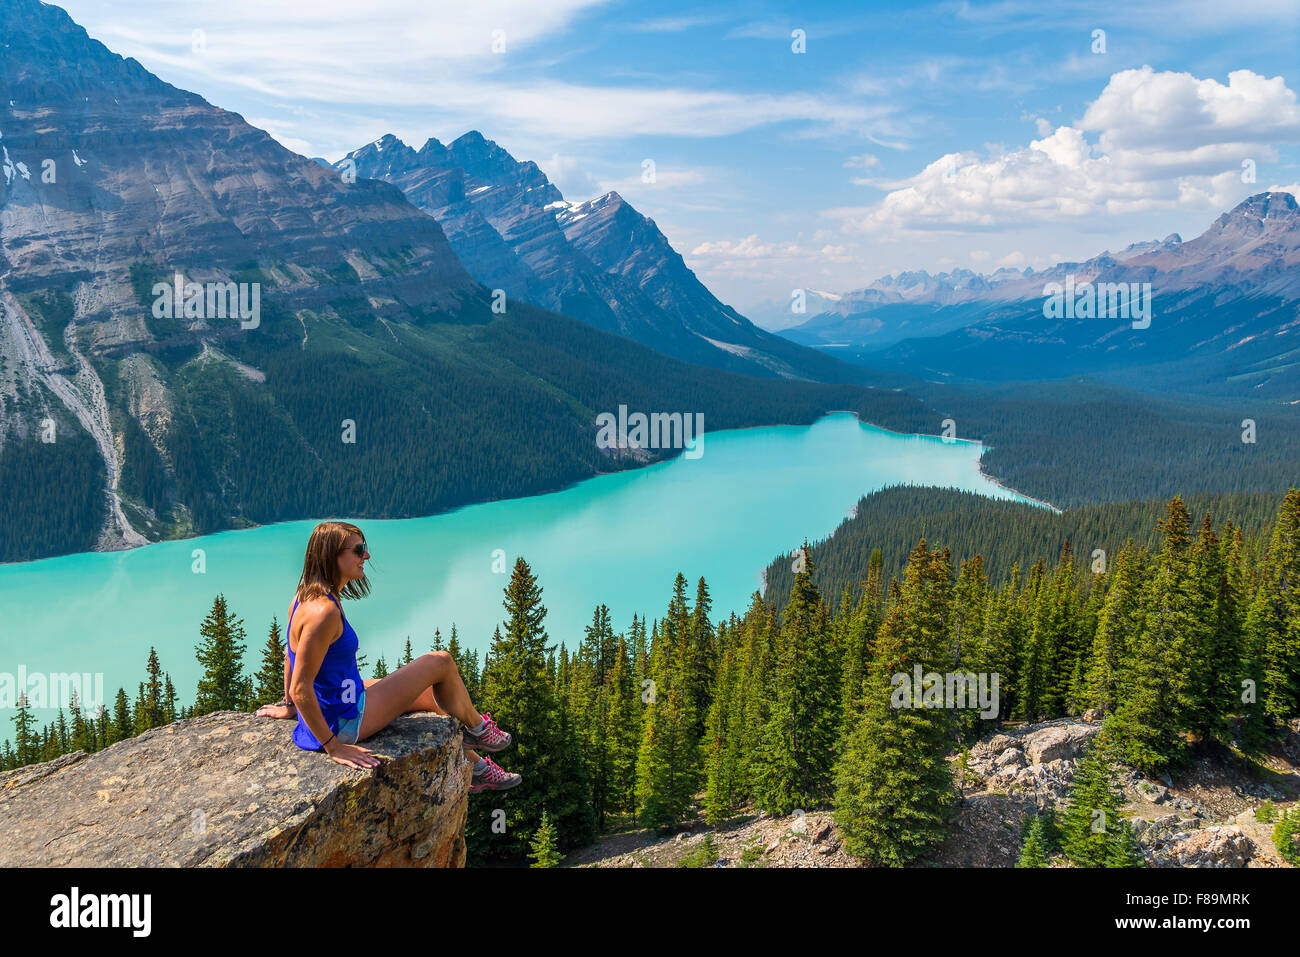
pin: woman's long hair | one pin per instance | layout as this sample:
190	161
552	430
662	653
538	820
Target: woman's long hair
320	566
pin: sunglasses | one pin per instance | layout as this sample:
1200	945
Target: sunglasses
359	550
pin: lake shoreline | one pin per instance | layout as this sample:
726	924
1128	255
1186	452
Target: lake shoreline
618	539
120	546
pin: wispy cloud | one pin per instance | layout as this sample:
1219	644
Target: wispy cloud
1163	140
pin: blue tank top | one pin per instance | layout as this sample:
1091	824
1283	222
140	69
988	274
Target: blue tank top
338	683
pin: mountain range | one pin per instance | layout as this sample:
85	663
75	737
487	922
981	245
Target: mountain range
376	379
1226	315
600	260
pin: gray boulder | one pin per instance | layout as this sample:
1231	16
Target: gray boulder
232	790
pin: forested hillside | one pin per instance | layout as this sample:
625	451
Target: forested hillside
1191	639
1005	533
1079	441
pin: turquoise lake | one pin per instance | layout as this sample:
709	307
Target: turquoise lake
619	539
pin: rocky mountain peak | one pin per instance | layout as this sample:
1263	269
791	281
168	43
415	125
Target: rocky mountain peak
1262	213
48	59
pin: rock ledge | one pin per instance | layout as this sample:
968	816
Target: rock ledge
232	790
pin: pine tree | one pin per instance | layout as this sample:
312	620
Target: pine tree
794	766
138	716
26	746
545	852
1033	852
1003	646
63	738
169	699
222	686
1155	704
703	656
858	631
970	598
885	816
1033	610
1092	822
269	680
667	759
723	786
81	733
519	695
1214	662
588	701
406	653
1123	850
1286	836
624	733
1119	619
123	725
152	712
1273	621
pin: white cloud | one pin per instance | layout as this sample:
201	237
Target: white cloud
1175	114
1293	189
673	24
751	247
865	161
753	260
667	177
1163	140
570	178
384	59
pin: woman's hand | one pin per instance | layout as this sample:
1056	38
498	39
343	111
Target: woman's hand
281	709
354	756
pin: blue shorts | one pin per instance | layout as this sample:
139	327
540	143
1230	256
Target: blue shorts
350	729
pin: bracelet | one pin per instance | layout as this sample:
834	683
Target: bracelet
328	740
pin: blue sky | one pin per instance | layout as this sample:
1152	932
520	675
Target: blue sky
906	136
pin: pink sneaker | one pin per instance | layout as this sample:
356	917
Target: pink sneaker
493	778
491	739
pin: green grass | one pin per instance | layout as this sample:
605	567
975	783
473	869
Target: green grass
703	855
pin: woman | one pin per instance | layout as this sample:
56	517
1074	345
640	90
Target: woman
335	708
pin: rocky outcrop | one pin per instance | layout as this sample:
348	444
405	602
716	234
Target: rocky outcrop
1208	847
232	790
1039	759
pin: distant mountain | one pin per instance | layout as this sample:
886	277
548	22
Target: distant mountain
1225	310
372	380
600	261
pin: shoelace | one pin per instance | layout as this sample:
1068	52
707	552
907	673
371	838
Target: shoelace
490	729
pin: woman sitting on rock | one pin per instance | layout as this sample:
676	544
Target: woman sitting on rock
335	708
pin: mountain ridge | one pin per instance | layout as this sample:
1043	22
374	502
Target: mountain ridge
601	260
1225	306
376	380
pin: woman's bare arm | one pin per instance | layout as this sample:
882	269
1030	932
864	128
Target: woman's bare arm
284	708
287	674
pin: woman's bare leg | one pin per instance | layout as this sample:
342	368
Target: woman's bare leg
425	702
397	693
